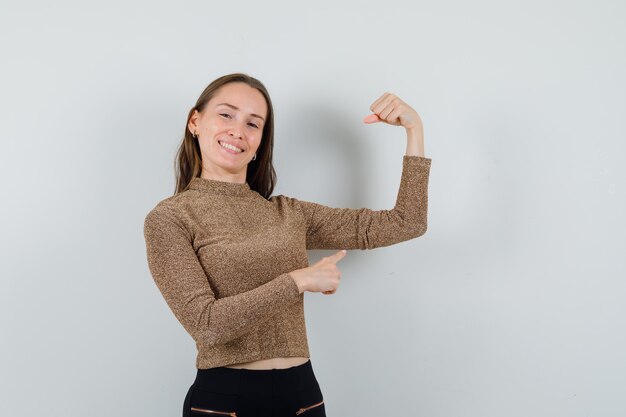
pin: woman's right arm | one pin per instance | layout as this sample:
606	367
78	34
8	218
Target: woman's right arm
180	277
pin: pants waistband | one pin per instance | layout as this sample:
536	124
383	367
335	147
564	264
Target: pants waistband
232	381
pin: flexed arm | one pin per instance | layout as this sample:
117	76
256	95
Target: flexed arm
363	228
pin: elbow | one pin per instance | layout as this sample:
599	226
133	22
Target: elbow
209	339
201	328
205	337
216	326
420	229
415	226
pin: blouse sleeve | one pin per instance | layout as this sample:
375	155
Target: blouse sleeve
363	228
180	277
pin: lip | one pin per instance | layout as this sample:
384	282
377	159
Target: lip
230	143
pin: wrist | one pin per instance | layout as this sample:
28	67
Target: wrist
300	282
415	142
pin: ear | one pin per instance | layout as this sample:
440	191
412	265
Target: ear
193	122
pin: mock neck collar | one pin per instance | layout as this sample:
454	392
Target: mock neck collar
220	187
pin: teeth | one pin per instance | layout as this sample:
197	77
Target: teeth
226	145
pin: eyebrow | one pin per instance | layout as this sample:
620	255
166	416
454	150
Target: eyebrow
237	108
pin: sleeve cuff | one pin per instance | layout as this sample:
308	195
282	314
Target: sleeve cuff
416	160
290	287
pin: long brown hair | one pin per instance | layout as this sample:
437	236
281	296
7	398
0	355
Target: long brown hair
260	175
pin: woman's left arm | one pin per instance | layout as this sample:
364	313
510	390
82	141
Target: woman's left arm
364	228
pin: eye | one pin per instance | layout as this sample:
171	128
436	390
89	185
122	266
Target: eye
226	114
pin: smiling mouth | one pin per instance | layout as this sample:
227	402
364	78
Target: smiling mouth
227	148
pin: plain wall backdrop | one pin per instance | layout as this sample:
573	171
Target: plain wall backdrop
512	304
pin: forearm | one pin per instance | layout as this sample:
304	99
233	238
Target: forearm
231	317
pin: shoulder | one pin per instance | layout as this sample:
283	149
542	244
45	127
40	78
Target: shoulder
176	204
284	201
279	198
295	206
169	211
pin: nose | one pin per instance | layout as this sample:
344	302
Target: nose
235	131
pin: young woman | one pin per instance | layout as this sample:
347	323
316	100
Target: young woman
231	261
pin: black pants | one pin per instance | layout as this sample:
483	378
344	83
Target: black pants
255	393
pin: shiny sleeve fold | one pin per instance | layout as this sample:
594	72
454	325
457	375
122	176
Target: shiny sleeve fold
182	281
364	228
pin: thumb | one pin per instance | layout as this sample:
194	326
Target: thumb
372	118
337	256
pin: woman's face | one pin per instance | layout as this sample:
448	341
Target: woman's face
235	115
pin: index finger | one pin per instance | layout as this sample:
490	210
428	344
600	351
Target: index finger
338	256
378	101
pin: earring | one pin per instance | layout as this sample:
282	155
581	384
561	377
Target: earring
195	135
254	157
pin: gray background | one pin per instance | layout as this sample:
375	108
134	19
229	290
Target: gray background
512	304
